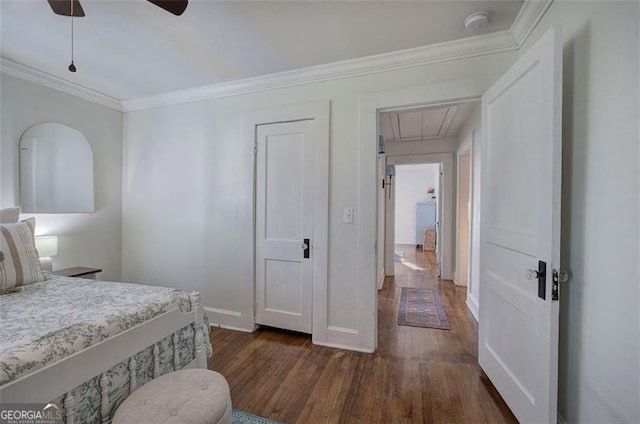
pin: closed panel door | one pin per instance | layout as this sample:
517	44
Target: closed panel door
284	224
520	231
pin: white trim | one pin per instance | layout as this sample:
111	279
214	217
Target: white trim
370	105
231	327
344	347
496	42
472	304
343	330
26	73
320	112
235	320
223	311
530	14
464	149
446	198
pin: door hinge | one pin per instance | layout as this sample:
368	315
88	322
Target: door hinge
558	277
255	149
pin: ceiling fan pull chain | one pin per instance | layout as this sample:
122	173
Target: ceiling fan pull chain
72	67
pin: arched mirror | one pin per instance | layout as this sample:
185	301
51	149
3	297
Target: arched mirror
56	170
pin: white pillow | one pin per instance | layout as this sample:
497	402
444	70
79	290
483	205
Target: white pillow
9	215
19	264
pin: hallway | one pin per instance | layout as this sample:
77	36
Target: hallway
443	363
418	375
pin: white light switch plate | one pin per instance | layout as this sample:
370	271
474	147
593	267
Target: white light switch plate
347	215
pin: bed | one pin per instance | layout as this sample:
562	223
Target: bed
88	344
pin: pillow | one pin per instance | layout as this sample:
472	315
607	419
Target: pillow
9	215
19	264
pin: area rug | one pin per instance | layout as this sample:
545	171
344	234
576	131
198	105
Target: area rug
240	417
421	308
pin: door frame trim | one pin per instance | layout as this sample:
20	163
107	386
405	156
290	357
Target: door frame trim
465	149
446	199
319	111
370	105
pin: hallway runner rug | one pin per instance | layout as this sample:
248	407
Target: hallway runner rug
240	417
421	308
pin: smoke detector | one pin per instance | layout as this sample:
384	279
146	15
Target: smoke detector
476	20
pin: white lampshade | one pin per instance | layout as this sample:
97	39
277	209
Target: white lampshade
47	246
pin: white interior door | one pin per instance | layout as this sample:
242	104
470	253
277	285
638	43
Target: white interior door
521	157
284	224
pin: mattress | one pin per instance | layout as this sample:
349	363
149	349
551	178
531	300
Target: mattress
44	322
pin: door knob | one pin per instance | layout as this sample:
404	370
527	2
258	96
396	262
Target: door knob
305	246
532	274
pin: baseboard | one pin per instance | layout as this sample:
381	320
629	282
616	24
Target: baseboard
230	320
381	281
230	327
222	312
351	331
344	347
473	306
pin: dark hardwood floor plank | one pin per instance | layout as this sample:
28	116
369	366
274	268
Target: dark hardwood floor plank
417	375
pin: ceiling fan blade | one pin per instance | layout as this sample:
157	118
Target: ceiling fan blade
63	8
177	7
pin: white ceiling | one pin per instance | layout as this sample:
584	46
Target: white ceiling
130	48
424	124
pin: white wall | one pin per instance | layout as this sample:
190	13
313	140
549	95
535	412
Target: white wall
470	136
188	182
599	330
411	187
84	239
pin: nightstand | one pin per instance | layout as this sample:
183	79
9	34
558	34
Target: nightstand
79	271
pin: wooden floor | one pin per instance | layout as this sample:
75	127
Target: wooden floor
418	375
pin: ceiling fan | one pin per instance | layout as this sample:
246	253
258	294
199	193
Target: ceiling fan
62	7
73	9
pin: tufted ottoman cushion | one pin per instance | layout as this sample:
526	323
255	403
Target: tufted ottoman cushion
194	396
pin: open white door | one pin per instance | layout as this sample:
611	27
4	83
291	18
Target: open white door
520	230
284	224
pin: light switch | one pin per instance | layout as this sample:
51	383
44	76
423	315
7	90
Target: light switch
347	216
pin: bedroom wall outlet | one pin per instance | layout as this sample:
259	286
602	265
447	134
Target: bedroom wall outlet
347	215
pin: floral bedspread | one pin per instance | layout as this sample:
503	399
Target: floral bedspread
47	321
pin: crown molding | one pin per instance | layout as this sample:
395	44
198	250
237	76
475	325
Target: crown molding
503	41
26	73
530	14
496	42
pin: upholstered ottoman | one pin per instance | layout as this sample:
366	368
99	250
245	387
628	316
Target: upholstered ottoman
194	396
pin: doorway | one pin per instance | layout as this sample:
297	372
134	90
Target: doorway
416	211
